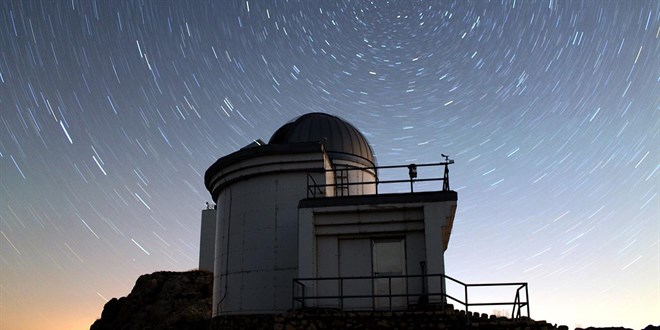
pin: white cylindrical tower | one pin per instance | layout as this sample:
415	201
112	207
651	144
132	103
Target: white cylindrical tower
257	190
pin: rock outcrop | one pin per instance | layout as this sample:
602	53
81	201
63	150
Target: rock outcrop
162	300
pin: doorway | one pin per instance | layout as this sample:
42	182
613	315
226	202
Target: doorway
389	259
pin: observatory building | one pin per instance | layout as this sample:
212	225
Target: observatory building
309	220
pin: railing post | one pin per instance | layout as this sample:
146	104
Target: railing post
443	291
467	305
293	295
516	301
341	294
445	179
373	294
389	284
527	301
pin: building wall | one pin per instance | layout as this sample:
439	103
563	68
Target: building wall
256	234
257	251
207	240
337	241
438	221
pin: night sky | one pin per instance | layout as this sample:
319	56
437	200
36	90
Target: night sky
111	112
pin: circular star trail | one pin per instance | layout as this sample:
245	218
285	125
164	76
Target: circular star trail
111	111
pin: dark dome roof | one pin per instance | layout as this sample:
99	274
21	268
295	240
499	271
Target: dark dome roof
340	139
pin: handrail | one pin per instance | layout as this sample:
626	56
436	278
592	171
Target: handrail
300	296
314	187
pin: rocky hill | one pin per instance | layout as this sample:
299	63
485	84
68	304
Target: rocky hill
183	300
162	300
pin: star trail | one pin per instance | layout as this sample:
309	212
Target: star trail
111	112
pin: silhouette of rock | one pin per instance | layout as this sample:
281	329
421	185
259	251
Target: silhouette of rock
162	300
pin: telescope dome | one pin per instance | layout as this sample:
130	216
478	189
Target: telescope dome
340	139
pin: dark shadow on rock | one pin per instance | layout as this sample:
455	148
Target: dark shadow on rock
162	300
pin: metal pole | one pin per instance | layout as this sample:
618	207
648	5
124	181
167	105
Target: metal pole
445	183
516	302
527	300
293	295
377	181
341	294
443	291
373	294
389	283
467	306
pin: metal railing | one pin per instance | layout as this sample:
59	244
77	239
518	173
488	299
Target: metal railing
341	187
425	297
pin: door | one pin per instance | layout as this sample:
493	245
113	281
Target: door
354	261
389	260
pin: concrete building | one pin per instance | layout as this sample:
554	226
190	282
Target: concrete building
300	222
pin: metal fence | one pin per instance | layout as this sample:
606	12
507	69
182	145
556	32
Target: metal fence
341	174
305	290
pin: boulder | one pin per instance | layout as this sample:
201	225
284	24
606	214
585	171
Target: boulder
162	300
